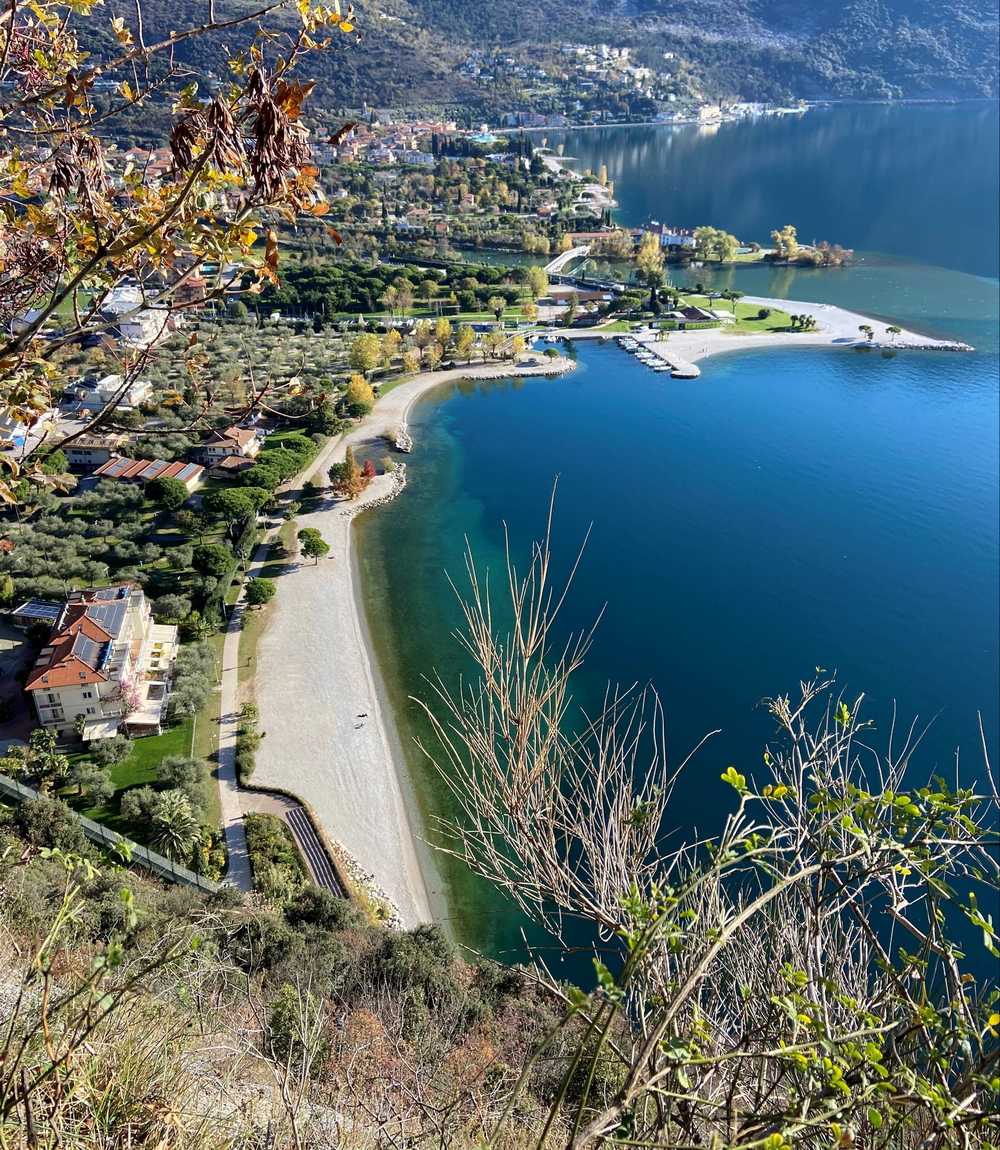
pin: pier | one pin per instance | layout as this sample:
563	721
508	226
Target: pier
680	368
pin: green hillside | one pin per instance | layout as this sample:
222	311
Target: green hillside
408	50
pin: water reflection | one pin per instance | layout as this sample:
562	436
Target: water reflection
918	182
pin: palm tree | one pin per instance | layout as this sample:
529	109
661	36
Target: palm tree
893	331
867	330
175	829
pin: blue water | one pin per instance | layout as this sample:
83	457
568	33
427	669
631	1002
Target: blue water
918	182
788	510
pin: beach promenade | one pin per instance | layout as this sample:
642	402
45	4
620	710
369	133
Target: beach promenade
330	739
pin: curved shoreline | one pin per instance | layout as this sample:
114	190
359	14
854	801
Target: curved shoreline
331	736
333	739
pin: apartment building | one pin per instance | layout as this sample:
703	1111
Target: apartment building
106	666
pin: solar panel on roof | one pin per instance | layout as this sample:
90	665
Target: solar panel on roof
108	615
86	650
39	609
187	471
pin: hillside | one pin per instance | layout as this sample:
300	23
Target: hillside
408	51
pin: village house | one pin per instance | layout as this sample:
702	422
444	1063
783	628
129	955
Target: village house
90	451
14	430
146	470
90	396
230	451
106	665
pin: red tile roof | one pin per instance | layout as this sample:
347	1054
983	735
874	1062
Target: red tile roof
78	647
143	470
238	435
66	662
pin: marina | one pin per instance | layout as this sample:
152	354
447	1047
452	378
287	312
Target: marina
658	357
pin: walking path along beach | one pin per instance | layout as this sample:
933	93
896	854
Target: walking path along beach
330	739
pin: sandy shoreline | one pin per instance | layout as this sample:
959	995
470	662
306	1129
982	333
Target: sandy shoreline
330	736
332	739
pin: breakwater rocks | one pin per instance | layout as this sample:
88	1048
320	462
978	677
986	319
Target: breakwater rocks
398	483
380	905
403	441
935	345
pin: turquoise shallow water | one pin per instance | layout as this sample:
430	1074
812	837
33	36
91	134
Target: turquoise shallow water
787	510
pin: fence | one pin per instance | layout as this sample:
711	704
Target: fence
139	855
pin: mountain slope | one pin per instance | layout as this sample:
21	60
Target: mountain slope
756	49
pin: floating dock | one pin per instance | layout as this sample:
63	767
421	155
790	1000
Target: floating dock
680	368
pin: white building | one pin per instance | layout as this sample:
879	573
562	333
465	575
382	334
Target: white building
106	665
95	395
240	443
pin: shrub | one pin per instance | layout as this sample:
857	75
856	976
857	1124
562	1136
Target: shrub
278	869
180	771
167	492
246	755
212	559
137	804
314	906
260	591
419	961
48	822
194	677
172	608
92	781
107	752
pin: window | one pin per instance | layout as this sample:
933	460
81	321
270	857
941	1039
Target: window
88	694
53	698
91	711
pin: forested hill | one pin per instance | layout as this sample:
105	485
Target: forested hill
839	48
410	50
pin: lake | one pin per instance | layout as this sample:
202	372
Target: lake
789	509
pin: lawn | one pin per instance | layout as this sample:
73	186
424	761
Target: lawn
138	769
746	314
195	736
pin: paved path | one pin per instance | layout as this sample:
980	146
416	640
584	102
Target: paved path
238	873
299	823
